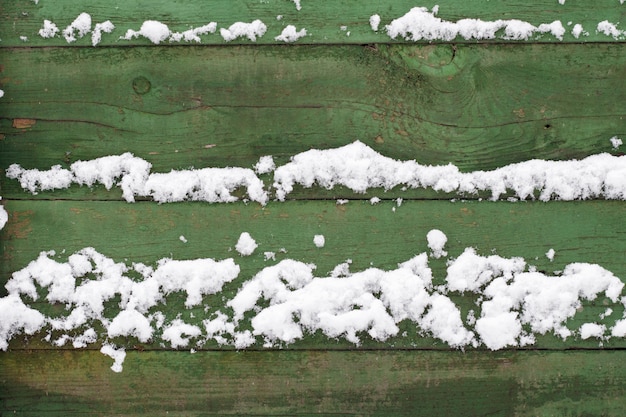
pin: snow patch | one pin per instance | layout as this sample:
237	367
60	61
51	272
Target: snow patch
81	25
609	29
358	167
284	302
290	34
319	241
244	30
246	244
118	356
153	30
436	242
49	30
374	22
265	165
96	35
616	142
420	24
132	175
4	216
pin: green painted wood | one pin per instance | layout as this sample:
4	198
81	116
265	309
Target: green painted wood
323	20
477	106
381	236
36	383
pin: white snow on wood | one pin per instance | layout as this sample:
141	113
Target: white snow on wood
436	242
244	30
4	216
133	176
291	34
81	25
96	35
153	30
616	142
355	166
319	241
358	167
550	254
375	22
285	302
609	29
297	3
246	245
420	24
265	165
193	34
578	30
118	355
49	30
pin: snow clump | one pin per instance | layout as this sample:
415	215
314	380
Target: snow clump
290	34
420	24
244	30
319	241
81	25
246	245
49	29
436	242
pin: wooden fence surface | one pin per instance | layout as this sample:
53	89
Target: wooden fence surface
477	104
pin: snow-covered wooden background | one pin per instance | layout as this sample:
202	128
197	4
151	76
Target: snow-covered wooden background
188	89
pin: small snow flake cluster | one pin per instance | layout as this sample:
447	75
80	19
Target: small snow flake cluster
355	166
284	302
80	27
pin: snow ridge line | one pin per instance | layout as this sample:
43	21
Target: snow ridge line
355	166
416	25
284	302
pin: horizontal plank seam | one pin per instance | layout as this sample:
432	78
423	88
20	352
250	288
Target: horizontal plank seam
338	44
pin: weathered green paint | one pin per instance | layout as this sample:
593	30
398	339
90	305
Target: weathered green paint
323	20
368	235
386	383
477	105
487	106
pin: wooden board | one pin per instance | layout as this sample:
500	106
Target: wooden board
323	21
478	105
490	106
385	383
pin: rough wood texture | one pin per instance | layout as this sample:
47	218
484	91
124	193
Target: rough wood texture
368	235
385	383
476	106
323	21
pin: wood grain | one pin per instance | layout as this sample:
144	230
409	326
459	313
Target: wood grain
489	106
386	383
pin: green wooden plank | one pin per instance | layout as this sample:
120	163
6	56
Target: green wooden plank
490	106
323	20
35	383
381	236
